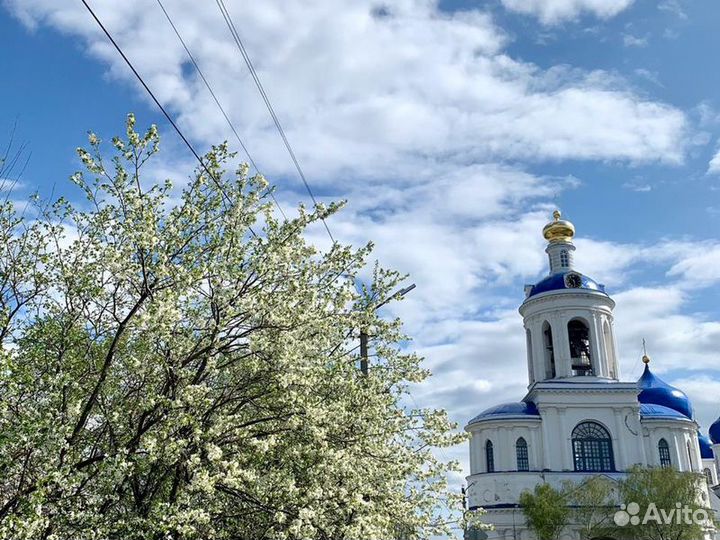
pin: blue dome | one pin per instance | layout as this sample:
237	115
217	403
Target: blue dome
515	408
556	282
715	431
649	410
706	451
655	391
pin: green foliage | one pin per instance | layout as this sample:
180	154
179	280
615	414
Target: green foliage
593	504
665	488
590	506
183	366
546	511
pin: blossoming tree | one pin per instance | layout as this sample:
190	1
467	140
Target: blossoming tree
185	368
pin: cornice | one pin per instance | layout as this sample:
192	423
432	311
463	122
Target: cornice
501	421
551	296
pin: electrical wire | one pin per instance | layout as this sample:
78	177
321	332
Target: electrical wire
159	105
241	47
217	101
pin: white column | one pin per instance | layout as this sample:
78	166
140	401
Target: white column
561	345
538	349
716	453
621	461
473	461
565	439
535	450
599	359
695	450
502	453
548	416
529	352
616	365
679	455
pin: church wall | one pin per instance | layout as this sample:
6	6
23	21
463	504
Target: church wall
558	310
504	434
709	465
677	435
505	487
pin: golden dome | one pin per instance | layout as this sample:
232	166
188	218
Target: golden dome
646	359
559	230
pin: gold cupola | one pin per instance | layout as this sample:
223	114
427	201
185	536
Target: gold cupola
558	230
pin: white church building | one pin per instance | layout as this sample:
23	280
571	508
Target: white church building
577	418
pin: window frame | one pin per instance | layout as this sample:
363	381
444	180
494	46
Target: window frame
489	456
592	448
664	453
522	458
564	258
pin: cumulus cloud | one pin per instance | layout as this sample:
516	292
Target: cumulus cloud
673	7
634	41
703	392
376	95
556	11
429	127
714	165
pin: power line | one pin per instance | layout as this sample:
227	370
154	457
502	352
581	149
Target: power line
159	105
238	41
217	101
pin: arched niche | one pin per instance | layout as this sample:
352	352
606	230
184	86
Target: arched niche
580	349
549	362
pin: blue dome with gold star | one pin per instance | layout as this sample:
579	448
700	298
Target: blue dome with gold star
654	390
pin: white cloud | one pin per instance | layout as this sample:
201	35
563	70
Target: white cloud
714	165
556	11
639	188
650	76
703	391
674	8
376	96
699	265
634	41
423	121
11	185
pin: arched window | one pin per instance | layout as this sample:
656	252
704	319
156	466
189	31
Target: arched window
489	457
549	352
592	448
564	259
579	336
521	453
664	451
708	476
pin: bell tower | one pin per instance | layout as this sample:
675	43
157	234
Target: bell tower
567	316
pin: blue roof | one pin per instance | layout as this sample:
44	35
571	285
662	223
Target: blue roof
556	282
650	410
655	391
515	408
706	451
715	431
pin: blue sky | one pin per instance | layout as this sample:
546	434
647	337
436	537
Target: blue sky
57	92
453	130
